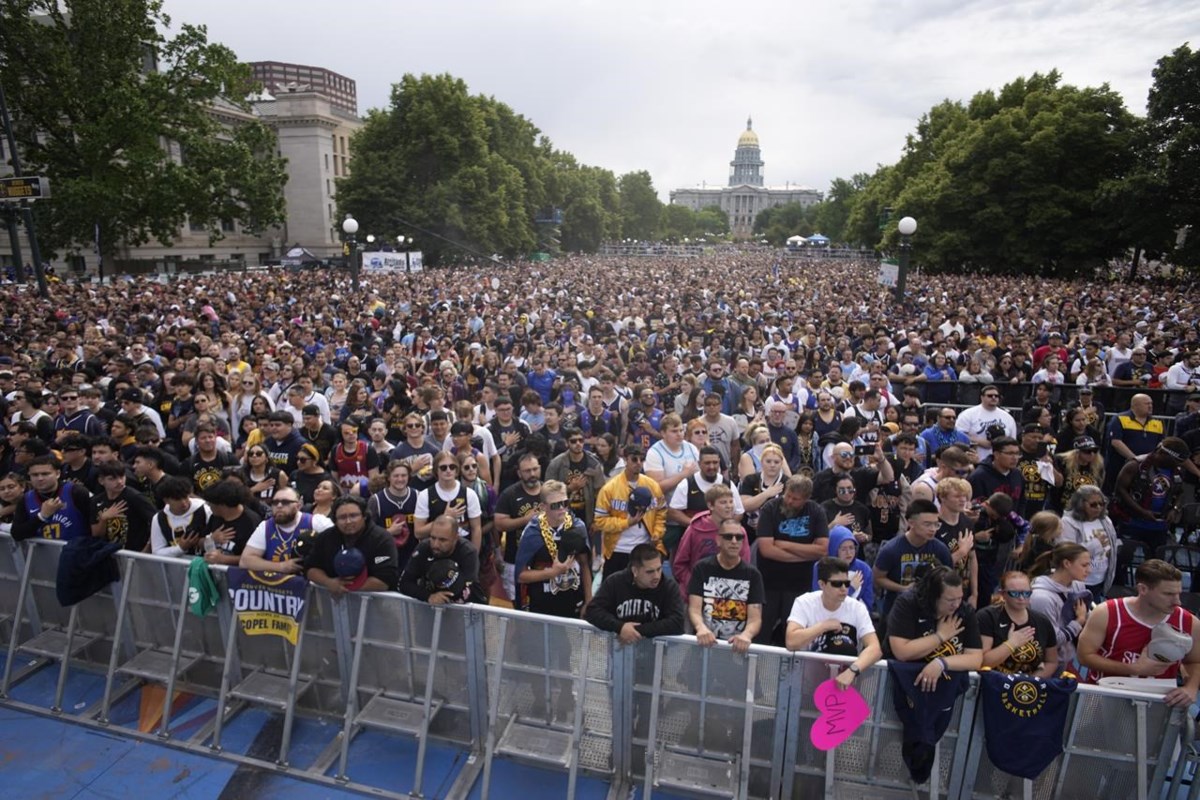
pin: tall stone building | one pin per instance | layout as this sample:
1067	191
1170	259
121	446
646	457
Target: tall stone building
746	195
313	112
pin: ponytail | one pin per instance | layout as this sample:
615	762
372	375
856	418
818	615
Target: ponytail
931	581
1052	559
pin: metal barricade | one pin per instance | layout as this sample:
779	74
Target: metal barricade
410	674
1118	744
871	758
710	721
169	644
12	564
666	714
81	635
549	694
268	672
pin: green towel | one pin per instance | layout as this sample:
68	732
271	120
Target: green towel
202	589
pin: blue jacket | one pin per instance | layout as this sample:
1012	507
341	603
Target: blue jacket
837	535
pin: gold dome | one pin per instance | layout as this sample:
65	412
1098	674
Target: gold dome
748	138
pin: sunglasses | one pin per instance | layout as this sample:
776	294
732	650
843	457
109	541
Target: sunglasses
840	584
557	505
448	468
284	502
1019	594
846	490
733	537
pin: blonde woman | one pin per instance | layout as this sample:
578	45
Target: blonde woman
758	487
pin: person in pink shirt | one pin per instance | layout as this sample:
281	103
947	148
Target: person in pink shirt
700	539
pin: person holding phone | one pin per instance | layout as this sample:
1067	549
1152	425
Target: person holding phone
878	472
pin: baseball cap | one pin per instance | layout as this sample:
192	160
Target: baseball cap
1033	427
640	498
351	563
1085	443
1168	644
132	395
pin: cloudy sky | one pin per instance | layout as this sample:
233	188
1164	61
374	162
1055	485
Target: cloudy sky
666	85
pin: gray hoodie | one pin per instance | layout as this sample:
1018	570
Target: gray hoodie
1057	603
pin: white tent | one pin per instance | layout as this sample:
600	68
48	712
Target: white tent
796	240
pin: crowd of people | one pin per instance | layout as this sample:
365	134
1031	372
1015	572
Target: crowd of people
753	450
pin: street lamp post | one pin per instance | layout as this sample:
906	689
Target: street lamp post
402	242
907	227
350	227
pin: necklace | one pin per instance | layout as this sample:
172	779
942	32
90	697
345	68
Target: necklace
548	532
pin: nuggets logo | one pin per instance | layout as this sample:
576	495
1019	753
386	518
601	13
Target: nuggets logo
1022	697
1033	480
116	529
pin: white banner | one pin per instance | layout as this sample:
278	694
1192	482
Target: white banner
888	273
391	262
383	262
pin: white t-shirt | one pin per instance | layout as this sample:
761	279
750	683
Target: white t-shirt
975	421
661	459
808	610
160	545
679	496
473	510
258	539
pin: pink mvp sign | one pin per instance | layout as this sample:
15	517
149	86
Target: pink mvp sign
839	713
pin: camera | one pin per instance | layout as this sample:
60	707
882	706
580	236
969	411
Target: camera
994	431
864	449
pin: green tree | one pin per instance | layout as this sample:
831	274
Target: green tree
641	209
1173	129
830	216
678	222
99	95
779	223
436	160
712	220
1013	182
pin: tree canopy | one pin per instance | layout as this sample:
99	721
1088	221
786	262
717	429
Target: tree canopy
1038	177
121	119
474	172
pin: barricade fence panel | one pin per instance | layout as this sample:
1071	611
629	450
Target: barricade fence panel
398	635
872	755
676	705
95	618
11	564
698	710
1115	743
154	606
540	660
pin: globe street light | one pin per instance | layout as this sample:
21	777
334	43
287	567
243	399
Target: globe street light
350	227
907	227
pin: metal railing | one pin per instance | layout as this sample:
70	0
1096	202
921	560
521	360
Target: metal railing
501	684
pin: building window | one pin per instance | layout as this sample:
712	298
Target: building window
227	226
327	162
327	192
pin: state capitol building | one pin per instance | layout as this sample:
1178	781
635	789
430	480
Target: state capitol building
745	195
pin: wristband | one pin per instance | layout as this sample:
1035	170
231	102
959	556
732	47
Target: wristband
945	666
1010	647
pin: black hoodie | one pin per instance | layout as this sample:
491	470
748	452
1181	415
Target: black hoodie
656	612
